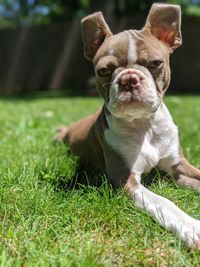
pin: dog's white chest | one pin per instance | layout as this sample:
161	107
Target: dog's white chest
146	145
147	158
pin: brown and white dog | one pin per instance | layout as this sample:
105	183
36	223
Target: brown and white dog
134	132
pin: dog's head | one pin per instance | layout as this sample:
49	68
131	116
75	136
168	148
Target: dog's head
132	67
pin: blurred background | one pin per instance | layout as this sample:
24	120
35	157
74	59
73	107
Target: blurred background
41	47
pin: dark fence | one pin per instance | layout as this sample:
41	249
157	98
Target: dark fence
51	57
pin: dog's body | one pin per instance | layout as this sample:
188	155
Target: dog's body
134	132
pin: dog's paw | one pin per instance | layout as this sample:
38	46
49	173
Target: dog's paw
61	134
190	234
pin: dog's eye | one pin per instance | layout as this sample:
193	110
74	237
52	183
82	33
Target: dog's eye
103	71
155	64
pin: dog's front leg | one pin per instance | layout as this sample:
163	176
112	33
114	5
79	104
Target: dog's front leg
165	212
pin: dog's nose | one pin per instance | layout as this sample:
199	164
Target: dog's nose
129	81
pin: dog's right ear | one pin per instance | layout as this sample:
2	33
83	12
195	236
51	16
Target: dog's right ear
94	31
164	22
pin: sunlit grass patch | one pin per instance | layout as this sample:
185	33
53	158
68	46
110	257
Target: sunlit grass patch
44	224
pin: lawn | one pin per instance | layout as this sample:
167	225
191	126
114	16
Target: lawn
44	224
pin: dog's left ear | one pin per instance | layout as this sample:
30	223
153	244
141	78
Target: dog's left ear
94	31
164	22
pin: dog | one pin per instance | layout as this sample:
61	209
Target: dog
134	131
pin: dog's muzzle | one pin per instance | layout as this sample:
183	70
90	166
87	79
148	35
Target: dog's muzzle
130	85
133	90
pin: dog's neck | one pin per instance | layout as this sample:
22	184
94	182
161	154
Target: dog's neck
159	118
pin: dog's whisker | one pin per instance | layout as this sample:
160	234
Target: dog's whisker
105	84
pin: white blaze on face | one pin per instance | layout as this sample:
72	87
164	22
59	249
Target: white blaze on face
132	51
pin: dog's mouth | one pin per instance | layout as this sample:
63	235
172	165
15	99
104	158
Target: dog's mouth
133	92
133	85
141	92
133	95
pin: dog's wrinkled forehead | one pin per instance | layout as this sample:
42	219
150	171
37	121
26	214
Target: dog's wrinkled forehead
130	47
119	46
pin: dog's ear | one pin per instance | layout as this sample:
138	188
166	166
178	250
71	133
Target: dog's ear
164	22
94	31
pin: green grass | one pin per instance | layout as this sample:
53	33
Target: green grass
42	224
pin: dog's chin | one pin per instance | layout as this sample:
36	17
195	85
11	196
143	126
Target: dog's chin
130	108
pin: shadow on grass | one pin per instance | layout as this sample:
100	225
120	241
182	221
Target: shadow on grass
81	179
69	173
85	177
